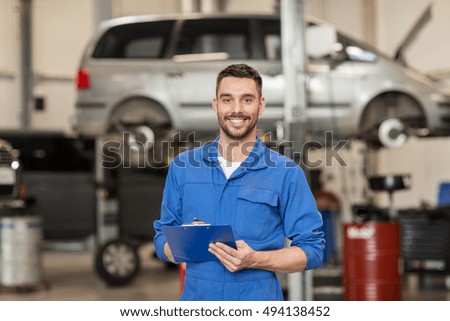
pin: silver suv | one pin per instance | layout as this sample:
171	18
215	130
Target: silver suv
150	74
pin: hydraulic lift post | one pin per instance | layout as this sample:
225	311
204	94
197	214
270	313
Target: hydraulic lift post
107	207
294	67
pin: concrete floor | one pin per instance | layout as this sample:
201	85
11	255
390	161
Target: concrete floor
70	276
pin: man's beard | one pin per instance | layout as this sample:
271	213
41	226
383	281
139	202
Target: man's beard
237	133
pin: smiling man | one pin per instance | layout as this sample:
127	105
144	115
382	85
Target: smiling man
238	106
238	181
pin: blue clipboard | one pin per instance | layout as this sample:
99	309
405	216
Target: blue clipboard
190	243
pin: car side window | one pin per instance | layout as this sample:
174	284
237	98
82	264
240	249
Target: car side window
229	36
272	45
150	47
135	40
271	35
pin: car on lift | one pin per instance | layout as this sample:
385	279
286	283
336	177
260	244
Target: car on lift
150	76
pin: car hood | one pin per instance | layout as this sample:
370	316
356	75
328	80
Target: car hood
412	34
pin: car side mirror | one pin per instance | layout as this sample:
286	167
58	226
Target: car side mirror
320	41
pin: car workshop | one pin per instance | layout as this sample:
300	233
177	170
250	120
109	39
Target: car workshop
99	97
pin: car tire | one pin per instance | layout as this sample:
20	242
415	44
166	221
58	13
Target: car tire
147	147
117	262
143	127
389	118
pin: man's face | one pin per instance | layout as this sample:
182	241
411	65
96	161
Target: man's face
238	105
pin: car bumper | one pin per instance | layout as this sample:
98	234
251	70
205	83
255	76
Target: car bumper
444	115
89	121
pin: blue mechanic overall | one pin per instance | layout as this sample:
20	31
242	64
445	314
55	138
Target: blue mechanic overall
265	200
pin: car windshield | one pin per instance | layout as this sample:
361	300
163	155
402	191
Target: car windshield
345	47
354	50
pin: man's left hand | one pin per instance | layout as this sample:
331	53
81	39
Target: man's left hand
234	259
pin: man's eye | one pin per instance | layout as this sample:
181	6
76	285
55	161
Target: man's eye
226	100
248	100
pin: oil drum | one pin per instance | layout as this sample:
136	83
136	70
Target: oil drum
20	255
372	261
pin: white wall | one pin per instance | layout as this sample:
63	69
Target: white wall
431	49
427	160
9	63
338	12
61	30
437	37
394	20
263	6
136	7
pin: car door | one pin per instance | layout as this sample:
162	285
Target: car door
330	90
203	48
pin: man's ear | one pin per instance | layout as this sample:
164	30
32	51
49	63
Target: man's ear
214	104
262	106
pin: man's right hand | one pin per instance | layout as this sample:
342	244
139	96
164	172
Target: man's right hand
168	253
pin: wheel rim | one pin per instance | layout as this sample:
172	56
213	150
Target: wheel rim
142	136
391	133
119	260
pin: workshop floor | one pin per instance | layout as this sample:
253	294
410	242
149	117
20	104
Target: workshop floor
70	276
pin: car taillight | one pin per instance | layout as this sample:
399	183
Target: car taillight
83	81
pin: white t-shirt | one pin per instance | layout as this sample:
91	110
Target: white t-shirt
227	166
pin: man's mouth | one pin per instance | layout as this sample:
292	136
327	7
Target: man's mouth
237	119
237	122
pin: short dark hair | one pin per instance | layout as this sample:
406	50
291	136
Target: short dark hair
240	71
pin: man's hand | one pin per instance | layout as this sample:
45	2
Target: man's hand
285	260
168	253
234	260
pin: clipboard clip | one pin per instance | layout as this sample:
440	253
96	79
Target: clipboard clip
196	222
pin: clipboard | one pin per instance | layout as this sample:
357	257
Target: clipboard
189	243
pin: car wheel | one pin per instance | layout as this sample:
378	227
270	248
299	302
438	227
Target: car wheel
147	147
143	128
117	262
389	119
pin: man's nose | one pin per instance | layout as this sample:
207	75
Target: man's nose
237	106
